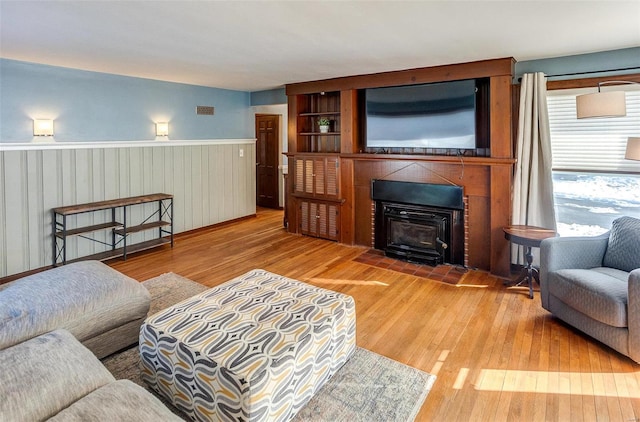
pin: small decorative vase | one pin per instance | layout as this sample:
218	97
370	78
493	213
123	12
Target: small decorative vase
324	129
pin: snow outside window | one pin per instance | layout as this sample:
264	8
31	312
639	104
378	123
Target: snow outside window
593	183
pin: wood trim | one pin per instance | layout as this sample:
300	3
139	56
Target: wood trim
515	115
21	146
500	117
590	82
483	161
290	203
12	277
349	121
501	187
347	211
292	124
316	198
451	72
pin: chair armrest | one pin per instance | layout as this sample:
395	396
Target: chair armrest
557	253
633	315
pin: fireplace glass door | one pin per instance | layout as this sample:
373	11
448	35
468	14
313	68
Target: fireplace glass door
408	235
417	239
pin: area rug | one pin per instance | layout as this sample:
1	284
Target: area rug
369	387
446	273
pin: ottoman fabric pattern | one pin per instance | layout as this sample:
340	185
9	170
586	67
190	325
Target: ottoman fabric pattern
254	348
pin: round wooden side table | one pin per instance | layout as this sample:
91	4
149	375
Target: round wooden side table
529	237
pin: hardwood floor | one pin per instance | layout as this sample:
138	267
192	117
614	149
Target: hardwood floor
497	354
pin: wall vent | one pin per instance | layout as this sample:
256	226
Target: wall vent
204	110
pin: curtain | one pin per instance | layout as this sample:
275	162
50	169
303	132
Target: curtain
533	185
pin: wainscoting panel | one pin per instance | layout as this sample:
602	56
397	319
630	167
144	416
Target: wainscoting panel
210	182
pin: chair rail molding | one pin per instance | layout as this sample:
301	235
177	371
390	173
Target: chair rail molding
26	146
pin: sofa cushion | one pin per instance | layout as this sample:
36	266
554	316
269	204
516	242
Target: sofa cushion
44	375
119	401
86	298
623	249
600	293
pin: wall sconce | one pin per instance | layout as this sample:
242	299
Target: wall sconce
633	149
42	127
603	104
162	129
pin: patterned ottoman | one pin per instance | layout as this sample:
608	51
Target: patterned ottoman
255	348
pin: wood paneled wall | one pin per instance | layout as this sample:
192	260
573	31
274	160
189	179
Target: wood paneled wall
210	182
474	176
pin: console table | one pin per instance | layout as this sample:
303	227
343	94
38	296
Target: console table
160	219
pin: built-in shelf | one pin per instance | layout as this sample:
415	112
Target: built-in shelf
310	107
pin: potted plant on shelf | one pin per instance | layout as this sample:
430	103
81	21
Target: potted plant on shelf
324	123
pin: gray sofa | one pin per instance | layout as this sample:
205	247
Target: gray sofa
45	370
593	284
54	377
100	306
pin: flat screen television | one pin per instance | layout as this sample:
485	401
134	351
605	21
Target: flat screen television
437	115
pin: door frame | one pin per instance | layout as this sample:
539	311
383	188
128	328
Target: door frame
278	167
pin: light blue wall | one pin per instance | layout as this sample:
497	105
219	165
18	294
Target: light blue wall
268	97
92	106
618	62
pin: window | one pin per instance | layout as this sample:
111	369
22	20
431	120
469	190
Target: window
593	183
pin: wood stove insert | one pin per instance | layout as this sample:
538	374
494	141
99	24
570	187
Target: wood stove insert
419	222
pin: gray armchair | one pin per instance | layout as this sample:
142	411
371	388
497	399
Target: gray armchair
593	284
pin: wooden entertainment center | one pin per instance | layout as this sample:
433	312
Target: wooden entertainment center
329	185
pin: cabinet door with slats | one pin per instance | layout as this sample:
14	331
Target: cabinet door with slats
319	219
309	176
304	217
299	180
332	180
328	217
321	216
333	217
314	216
319	176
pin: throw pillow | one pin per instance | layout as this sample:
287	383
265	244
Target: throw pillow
623	250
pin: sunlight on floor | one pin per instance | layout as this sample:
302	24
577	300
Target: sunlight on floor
343	281
436	367
614	384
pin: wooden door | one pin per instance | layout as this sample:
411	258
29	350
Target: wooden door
267	135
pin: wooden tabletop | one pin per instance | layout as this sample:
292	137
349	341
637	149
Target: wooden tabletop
103	205
527	235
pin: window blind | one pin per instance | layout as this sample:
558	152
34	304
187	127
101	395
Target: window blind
591	145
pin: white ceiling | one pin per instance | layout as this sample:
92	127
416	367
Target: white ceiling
255	45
